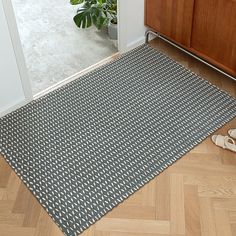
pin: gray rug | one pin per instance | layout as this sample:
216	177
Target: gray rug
87	146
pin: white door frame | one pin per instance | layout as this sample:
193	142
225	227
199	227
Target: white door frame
131	28
20	59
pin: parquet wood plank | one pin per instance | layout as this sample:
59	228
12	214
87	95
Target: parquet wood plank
192	210
222	218
4	173
7	230
133	212
163	196
177	216
207	219
12	219
133	226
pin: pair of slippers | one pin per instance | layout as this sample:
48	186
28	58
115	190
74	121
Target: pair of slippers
226	142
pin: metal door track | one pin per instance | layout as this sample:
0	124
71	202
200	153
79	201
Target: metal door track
187	52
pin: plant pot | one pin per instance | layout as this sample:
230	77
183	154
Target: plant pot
113	31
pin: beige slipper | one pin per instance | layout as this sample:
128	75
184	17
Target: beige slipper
224	142
232	133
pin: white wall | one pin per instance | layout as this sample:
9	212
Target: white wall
131	24
13	91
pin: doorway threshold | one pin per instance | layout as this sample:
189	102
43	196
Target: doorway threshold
76	76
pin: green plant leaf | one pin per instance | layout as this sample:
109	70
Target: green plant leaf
100	22
83	19
97	12
78	19
89	20
76	2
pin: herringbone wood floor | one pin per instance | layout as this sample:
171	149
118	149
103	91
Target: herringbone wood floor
196	196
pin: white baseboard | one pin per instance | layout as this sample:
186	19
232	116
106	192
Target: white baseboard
13	107
138	42
135	43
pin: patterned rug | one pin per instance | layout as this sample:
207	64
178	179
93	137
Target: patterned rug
87	146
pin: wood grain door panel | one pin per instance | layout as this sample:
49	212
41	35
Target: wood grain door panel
172	18
214	30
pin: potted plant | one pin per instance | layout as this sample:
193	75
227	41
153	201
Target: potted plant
100	13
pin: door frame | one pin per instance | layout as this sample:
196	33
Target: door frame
18	51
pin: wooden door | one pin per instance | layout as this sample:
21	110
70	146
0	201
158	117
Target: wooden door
214	32
172	18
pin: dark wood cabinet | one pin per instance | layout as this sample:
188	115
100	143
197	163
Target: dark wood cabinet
206	28
166	16
214	31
